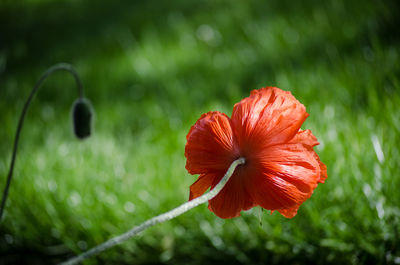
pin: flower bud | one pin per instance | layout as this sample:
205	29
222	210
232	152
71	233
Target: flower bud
82	118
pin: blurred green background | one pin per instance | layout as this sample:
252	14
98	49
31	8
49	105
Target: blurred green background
150	69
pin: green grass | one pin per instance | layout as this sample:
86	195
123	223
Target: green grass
150	70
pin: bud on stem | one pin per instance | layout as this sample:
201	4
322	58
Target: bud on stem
82	118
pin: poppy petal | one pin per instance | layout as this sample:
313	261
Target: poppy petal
293	163
324	173
289	212
274	193
201	185
233	198
268	117
291	172
309	140
210	144
305	137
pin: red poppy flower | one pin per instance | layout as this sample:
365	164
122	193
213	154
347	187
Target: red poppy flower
281	170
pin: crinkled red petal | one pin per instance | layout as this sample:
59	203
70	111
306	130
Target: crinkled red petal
289	212
210	145
233	198
201	185
268	117
291	172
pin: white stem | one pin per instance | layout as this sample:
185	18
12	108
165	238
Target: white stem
160	218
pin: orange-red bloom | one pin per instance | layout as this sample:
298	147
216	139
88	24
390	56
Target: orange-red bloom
281	170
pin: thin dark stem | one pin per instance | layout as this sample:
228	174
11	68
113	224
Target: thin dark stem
54	68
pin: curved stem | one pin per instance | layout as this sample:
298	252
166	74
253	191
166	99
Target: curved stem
160	218
56	67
